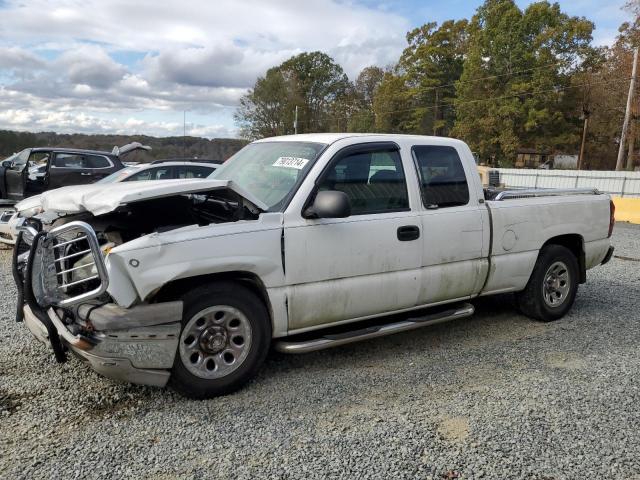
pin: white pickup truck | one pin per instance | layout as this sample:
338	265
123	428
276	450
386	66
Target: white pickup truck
300	242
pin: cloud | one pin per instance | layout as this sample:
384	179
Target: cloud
15	58
97	60
71	122
90	65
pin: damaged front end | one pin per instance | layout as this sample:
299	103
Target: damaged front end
63	277
63	282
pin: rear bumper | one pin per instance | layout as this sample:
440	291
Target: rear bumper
608	256
141	354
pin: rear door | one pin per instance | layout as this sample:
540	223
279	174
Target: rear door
453	223
77	169
366	264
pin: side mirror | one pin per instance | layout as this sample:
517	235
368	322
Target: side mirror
329	204
7	163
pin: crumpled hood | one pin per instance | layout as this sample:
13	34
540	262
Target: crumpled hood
28	204
101	199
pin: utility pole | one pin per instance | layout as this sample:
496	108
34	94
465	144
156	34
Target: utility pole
584	138
627	113
295	122
184	134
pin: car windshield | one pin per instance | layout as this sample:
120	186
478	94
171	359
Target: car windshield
270	170
119	175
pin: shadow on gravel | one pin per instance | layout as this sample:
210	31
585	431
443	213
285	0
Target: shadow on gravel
8	402
496	318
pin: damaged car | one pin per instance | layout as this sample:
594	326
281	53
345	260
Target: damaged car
299	243
35	170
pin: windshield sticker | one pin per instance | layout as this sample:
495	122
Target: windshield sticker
291	162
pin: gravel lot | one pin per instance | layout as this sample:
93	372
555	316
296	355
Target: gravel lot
494	396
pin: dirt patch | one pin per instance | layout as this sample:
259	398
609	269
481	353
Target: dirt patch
568	360
454	429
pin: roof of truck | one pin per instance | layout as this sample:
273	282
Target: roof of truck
334	137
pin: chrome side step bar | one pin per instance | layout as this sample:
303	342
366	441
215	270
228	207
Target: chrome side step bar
335	340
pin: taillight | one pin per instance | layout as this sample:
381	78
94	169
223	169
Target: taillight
612	217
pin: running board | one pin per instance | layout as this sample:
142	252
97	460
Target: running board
335	340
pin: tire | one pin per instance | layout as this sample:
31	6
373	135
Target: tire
225	337
553	285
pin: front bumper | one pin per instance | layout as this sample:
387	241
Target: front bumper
142	354
8	231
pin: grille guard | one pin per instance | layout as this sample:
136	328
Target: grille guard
51	275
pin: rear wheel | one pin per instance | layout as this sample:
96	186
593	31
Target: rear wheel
225	337
553	285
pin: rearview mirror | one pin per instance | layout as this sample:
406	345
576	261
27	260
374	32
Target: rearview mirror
7	163
329	204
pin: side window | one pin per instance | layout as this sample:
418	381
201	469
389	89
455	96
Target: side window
157	173
39	158
68	160
442	179
96	161
196	171
374	181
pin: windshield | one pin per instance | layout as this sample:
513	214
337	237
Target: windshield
270	170
119	175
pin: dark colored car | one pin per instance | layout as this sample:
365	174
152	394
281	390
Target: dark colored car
35	170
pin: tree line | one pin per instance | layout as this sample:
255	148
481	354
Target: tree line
161	148
506	79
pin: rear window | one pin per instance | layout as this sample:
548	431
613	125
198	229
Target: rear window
96	161
442	179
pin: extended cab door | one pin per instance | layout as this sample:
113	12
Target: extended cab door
366	264
77	169
455	225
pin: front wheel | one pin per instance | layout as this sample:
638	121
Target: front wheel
225	337
553	285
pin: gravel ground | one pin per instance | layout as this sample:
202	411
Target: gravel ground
494	396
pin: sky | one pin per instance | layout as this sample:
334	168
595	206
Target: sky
134	67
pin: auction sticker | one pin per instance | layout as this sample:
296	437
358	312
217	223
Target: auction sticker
291	162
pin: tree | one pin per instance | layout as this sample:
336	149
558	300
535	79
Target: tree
431	65
607	88
268	109
361	115
311	81
515	87
392	105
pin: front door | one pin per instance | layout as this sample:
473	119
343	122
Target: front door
347	268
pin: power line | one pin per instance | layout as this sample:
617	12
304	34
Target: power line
457	103
490	77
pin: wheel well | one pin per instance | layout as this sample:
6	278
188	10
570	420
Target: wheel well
575	243
177	288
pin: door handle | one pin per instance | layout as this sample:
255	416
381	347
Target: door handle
84	174
408	233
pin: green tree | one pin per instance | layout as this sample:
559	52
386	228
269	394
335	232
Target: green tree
361	117
513	91
268	109
393	105
313	82
431	65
